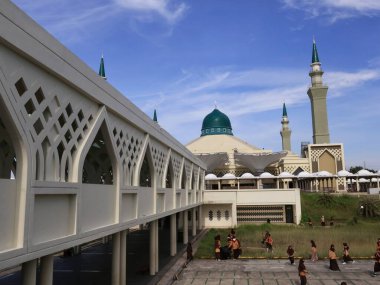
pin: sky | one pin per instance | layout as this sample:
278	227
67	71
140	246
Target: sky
247	57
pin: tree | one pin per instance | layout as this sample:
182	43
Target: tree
369	207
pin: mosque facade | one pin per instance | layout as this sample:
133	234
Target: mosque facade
242	172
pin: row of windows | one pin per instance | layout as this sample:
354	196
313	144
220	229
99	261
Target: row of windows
216	130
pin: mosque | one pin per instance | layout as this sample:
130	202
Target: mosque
234	166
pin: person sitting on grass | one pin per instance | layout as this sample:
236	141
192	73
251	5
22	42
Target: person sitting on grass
217	246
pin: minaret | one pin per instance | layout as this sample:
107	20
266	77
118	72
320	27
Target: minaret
317	94
155	116
285	132
102	71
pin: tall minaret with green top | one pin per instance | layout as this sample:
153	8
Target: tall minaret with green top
102	71
317	94
285	131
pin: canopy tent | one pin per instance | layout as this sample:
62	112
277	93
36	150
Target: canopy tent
213	160
258	162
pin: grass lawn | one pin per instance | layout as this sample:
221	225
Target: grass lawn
361	234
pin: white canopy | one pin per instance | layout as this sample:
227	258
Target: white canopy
266	175
229	176
210	176
323	173
304	174
344	173
363	180
285	175
364	172
247	175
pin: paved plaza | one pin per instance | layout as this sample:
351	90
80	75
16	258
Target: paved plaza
273	272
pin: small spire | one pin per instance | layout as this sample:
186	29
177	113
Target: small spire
155	116
314	57
284	113
102	71
215	105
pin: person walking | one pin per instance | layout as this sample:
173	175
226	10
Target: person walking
217	246
269	243
323	223
346	254
314	254
290	252
302	272
332	256
189	251
376	267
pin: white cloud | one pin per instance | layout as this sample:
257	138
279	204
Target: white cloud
335	10
73	20
164	8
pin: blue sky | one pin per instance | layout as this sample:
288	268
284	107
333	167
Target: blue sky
248	56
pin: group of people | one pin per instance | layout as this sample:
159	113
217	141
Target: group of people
302	272
323	222
231	250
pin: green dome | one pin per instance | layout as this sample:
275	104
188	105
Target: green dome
216	123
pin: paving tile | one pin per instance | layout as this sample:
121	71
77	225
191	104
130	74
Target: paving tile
255	282
270	282
228	274
216	274
241	281
241	274
202	274
227	282
213	281
199	282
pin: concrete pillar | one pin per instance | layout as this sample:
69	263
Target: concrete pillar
28	272
194	222
47	263
200	218
123	257
173	235
185	228
157	245
116	259
152	249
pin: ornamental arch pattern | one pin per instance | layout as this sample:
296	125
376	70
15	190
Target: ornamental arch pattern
55	113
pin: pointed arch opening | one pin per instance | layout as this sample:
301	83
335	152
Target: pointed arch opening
97	167
194	182
146	171
183	179
169	176
8	160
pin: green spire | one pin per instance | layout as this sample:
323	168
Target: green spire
284	113
102	72
155	116
314	57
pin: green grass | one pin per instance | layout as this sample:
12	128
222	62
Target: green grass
361	234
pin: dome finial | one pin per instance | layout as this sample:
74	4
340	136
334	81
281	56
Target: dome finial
155	116
215	105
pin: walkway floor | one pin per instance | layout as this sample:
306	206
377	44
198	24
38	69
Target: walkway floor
270	272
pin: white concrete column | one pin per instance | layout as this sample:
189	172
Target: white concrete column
185	228
194	222
46	275
152	249
278	183
123	257
28	272
173	235
116	259
157	245
200	218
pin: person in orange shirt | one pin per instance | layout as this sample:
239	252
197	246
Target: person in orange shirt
333	263
236	248
269	243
